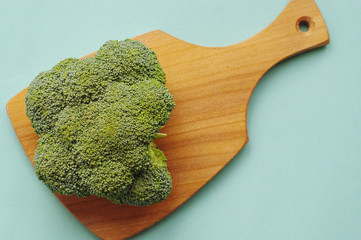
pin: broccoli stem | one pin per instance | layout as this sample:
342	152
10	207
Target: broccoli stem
161	135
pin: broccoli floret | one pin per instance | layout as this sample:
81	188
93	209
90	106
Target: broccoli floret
97	119
152	185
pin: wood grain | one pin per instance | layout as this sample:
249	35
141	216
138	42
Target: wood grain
212	88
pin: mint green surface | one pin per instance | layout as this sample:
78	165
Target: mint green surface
299	177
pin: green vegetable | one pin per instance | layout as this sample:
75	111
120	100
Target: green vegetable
97	119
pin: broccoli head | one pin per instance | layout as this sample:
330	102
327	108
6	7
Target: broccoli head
97	119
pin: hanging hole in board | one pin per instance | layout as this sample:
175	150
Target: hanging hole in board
304	24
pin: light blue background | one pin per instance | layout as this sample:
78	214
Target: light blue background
299	177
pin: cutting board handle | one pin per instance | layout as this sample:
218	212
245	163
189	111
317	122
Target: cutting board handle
285	37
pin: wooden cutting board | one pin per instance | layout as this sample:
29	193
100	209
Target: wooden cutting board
212	88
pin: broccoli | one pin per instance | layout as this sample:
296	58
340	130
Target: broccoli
97	119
